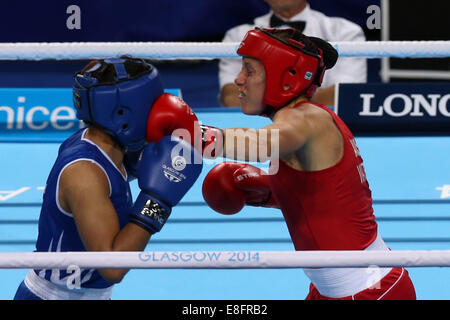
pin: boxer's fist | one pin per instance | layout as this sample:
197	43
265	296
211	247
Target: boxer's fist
212	141
131	163
168	114
230	185
165	175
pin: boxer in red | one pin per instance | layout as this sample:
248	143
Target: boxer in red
316	177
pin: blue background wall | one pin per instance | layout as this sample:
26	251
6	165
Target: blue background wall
151	20
139	20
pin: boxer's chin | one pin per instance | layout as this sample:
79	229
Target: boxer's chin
250	108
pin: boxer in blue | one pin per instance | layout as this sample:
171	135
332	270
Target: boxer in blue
87	203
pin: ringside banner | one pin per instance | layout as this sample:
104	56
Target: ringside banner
41	115
395	108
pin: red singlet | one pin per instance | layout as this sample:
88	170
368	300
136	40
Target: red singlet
329	209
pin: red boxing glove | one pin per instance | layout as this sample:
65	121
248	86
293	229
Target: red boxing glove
212	141
231	185
169	113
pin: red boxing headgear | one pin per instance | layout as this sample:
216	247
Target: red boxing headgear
291	70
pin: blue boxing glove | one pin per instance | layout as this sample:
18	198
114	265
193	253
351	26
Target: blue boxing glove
167	170
131	162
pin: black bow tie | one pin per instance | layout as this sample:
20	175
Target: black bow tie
276	22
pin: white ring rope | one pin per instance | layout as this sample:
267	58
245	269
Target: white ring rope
225	259
205	50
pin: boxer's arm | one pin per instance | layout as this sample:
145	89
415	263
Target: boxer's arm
84	191
289	131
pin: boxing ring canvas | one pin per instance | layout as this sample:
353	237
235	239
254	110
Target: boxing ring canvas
409	178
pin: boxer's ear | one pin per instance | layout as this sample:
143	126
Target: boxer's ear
329	53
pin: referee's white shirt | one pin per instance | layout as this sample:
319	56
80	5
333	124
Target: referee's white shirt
346	70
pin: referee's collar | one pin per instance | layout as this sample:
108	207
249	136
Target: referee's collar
301	16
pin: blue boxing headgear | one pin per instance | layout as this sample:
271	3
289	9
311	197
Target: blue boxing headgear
117	95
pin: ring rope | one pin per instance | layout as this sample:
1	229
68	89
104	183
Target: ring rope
205	50
225	259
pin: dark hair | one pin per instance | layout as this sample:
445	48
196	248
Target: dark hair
106	72
311	44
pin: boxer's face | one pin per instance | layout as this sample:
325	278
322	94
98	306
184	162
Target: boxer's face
251	81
